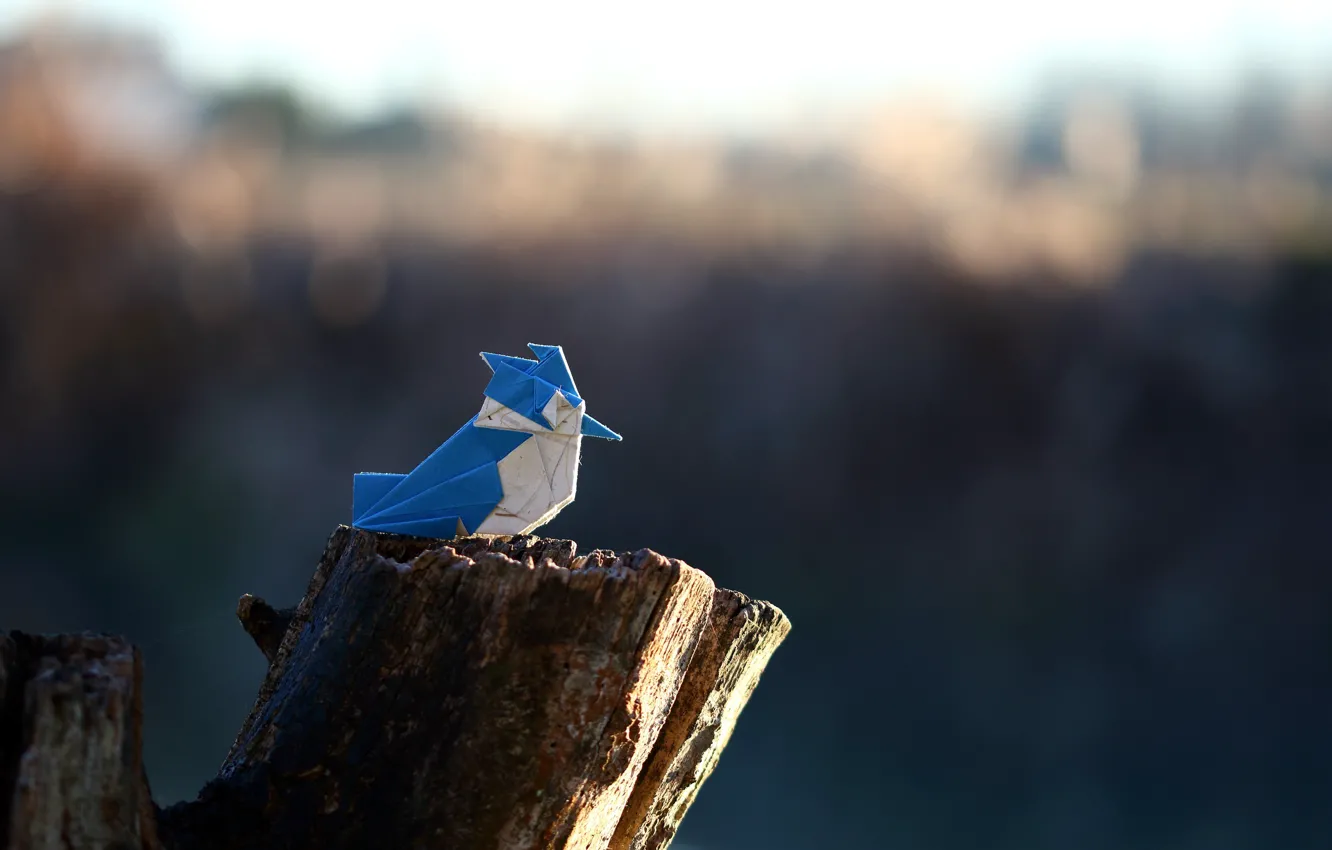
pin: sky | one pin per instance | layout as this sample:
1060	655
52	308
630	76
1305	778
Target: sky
717	64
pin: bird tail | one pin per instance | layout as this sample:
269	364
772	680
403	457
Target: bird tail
369	487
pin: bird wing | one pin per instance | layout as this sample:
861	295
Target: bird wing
460	478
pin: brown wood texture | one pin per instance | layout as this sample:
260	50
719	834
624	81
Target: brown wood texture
71	771
478	694
739	638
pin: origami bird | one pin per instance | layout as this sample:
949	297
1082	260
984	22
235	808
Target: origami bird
510	469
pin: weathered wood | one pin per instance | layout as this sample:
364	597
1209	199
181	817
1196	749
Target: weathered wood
71	770
477	694
485	693
740	637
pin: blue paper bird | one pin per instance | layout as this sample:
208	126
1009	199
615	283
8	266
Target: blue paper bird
510	469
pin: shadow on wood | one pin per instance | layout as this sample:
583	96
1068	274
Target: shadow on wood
478	693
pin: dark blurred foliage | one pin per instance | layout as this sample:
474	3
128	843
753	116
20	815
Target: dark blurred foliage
1056	557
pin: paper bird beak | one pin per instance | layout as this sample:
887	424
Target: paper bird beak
593	428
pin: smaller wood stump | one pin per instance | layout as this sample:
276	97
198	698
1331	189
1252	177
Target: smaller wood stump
71	771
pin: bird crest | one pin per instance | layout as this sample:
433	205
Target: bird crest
528	388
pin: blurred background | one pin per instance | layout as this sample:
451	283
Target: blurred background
992	344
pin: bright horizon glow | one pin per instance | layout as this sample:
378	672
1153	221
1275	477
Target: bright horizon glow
700	64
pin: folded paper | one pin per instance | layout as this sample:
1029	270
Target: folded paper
510	469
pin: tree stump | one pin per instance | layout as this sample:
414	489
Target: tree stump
71	770
485	693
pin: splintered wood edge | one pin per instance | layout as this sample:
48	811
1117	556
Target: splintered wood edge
73	751
734	648
668	646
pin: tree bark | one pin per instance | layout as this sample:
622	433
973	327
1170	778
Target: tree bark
475	694
71	770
